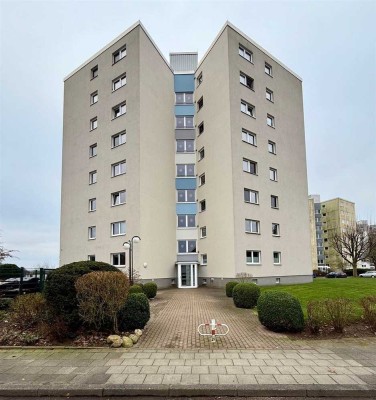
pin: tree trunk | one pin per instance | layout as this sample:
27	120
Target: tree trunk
355	269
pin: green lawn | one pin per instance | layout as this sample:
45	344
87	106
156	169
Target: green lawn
323	288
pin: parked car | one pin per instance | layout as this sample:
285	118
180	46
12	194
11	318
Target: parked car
336	275
368	274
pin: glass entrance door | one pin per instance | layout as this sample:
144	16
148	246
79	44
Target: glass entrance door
187	275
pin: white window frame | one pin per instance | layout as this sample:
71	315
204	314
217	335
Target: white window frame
247	166
277	201
201	180
119	168
91	257
185	171
92	232
185	95
119	110
93	204
254	226
273	174
118	255
269	95
185	146
185	196
200	103
119	82
92	177
199	79
253	194
248	109
202	205
204	259
245	53
94	72
279	262
119	225
246	80
187	246
203	232
122	139
249	137
186	217
272	147
270	120
274	224
185	119
268	69
122	52
94	97
118	195
93	123
93	150
201	154
253	262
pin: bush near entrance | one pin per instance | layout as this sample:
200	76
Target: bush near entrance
150	289
135	289
245	295
135	313
230	287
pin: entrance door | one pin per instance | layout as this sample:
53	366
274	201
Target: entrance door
187	275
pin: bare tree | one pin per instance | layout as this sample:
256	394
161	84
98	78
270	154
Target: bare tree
372	246
4	253
352	245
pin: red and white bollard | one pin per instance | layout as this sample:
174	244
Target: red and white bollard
213	330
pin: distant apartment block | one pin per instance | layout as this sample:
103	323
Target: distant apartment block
203	160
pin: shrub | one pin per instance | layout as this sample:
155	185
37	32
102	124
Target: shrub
244	277
61	293
10	271
245	295
369	308
135	313
317	315
280	312
150	289
229	288
135	289
101	295
339	313
28	310
5	304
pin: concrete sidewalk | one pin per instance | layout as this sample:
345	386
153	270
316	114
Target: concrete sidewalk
345	368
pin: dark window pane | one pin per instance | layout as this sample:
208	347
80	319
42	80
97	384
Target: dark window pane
182	246
180	146
181	221
191	221
190	170
192	246
190	145
191	196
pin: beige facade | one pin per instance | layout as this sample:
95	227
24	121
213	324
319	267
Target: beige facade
281	254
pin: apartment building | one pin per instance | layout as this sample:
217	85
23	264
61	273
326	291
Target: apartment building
317	240
204	161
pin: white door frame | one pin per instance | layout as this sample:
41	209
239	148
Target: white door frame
193	275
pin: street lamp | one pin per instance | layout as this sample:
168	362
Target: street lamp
129	245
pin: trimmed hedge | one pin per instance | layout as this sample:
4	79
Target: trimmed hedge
135	314
245	295
135	289
229	288
280	312
60	291
150	289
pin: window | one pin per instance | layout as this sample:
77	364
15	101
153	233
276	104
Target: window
251	196
245	53
185	146
93	150
203	232
94	98
186	220
202	205
92	232
118	168
118	259
201	128
94	72
185	170
118	139
268	69
92	204
199	79
252	226
277	281
253	256
246	80
184	98
201	154
249	137
247	108
92	177
91	257
274	201
273	174
119	110
249	166
201	180
186	196
204	259
276	257
118	228
269	95
119	82
270	121
275	229
184	122
93	123
118	55
200	104
118	198
272	147
187	246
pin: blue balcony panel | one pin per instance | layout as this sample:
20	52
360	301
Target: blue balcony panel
185	110
184	83
186	208
186	183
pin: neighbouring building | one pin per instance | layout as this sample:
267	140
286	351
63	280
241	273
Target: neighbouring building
204	161
316	235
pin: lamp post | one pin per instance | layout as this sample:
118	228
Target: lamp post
129	245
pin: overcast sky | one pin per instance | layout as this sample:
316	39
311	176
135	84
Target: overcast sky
331	45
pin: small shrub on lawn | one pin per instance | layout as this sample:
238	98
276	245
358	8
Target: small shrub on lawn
100	296
150	289
369	310
280	312
28	310
135	289
340	312
245	295
317	315
135	313
61	293
229	288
